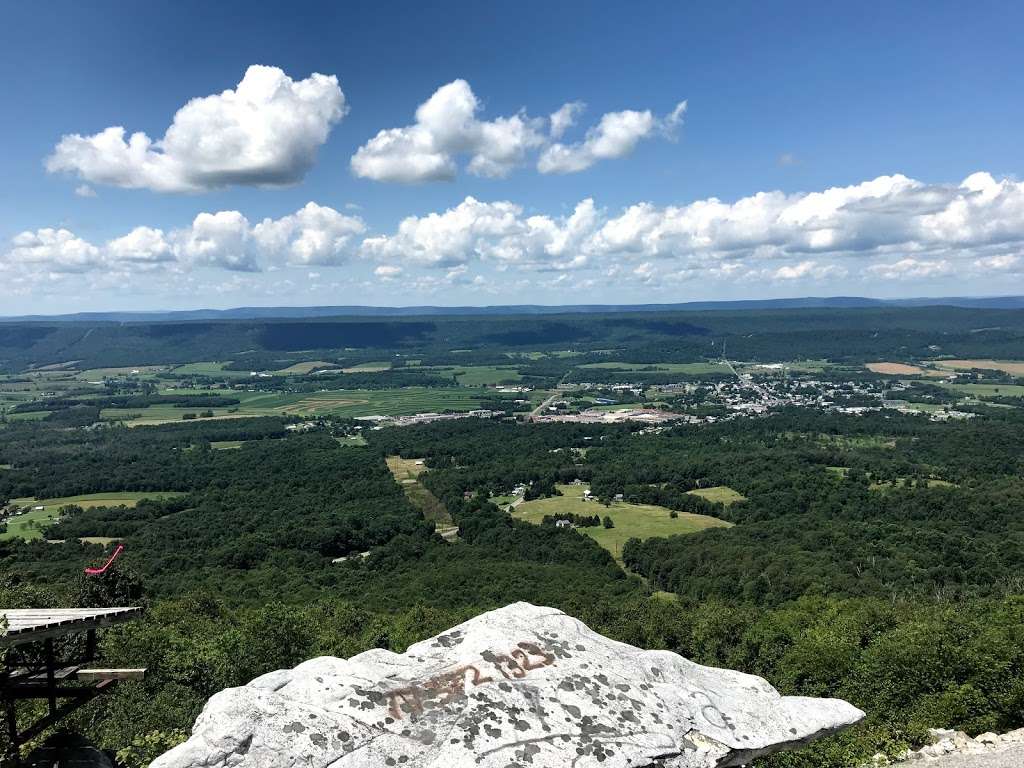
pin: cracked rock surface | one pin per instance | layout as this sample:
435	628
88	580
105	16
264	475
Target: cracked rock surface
519	686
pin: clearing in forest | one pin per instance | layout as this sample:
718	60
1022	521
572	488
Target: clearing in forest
406	473
641	521
720	493
31	524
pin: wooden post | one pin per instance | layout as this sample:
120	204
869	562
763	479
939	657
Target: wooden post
13	757
51	683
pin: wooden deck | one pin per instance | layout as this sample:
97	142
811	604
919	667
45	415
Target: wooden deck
27	625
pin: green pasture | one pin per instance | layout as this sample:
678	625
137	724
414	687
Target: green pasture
30	525
722	494
305	367
209	368
479	375
136	371
985	390
641	521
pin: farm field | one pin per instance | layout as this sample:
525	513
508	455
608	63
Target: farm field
641	521
481	375
372	367
986	390
382	402
896	369
1014	367
720	493
98	374
305	367
805	366
209	368
690	368
28	526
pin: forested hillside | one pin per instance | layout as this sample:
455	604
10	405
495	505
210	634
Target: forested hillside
855	334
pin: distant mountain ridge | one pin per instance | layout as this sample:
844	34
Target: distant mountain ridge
266	313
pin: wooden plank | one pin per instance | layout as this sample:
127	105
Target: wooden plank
94	675
29	625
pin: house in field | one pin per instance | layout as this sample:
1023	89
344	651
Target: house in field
563	524
587	495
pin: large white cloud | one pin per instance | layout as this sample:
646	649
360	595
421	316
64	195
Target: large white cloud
447	127
496	232
615	136
264	132
55	250
314	234
891	228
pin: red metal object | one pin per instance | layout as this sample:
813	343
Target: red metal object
103	569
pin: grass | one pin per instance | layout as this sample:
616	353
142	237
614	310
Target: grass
690	368
719	493
382	402
210	368
306	367
482	375
30	525
641	521
986	390
406	472
895	369
1014	367
226	445
341	402
372	367
405	469
351	440
141	371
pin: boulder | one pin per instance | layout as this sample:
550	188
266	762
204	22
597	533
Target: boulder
518	686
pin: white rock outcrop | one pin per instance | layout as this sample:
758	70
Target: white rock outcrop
519	686
945	745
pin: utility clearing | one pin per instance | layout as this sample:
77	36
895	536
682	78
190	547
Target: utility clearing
406	473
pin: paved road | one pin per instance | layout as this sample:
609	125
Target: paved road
536	411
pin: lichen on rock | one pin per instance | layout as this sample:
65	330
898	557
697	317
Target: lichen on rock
519	686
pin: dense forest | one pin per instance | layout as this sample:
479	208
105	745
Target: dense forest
854	334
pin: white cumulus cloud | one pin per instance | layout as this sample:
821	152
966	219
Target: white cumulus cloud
55	250
264	132
497	232
315	234
615	136
448	127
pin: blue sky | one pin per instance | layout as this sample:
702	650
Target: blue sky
910	113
